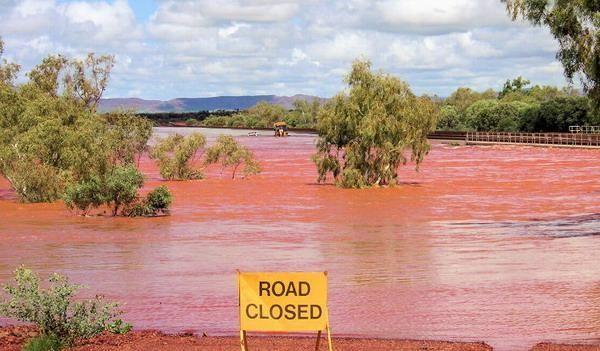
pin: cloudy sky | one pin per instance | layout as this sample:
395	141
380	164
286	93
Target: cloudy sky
196	48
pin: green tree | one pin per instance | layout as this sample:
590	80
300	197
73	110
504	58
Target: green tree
517	85
8	71
574	23
558	114
230	153
494	115
175	155
364	133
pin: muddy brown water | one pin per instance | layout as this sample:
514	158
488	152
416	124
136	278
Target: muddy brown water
498	244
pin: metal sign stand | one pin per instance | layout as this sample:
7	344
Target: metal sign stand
244	339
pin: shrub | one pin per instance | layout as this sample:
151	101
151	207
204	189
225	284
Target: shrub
85	195
122	187
54	310
175	155
157	201
118	189
493	115
43	343
230	153
119	327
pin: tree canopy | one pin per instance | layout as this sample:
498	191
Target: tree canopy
364	132
575	24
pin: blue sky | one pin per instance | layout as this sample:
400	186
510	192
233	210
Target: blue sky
194	48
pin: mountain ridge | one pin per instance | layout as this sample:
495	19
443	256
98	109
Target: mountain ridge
241	102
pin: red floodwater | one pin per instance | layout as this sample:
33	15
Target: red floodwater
499	244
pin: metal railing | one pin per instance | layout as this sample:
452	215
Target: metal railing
584	129
571	139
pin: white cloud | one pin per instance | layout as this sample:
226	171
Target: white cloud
213	47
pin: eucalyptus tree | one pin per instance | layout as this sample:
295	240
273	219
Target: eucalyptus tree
229	153
575	24
365	132
175	156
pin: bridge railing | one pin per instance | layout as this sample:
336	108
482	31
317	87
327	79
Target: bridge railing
575	139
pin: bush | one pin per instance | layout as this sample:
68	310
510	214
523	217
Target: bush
118	190
156	202
122	187
175	155
54	310
230	153
43	343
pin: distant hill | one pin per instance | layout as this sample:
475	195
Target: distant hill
200	104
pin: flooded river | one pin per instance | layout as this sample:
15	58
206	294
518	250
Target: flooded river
499	244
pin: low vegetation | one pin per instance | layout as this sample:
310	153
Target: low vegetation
517	107
54	144
364	133
175	156
229	153
263	115
60	318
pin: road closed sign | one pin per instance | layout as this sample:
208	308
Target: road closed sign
283	302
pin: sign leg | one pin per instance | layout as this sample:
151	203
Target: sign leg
243	344
318	340
245	341
329	338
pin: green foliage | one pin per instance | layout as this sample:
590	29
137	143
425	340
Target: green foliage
128	135
363	134
517	85
575	25
493	115
264	115
85	195
558	114
175	156
119	327
230	153
191	122
304	114
51	138
44	343
53	309
157	201
451	119
122	186
117	190
8	71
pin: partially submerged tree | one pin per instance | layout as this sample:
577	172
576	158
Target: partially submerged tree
575	24
363	134
54	144
175	156
228	152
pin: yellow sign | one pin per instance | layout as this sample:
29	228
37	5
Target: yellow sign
283	302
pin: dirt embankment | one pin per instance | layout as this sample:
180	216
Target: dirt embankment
13	338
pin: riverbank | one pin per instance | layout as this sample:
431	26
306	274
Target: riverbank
13	338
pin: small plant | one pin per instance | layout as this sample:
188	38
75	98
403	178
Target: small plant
60	319
43	343
119	327
175	155
230	153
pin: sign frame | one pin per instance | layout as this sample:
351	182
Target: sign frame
243	332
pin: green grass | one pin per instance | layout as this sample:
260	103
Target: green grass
43	343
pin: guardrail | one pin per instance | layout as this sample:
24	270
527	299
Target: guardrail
566	139
584	129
